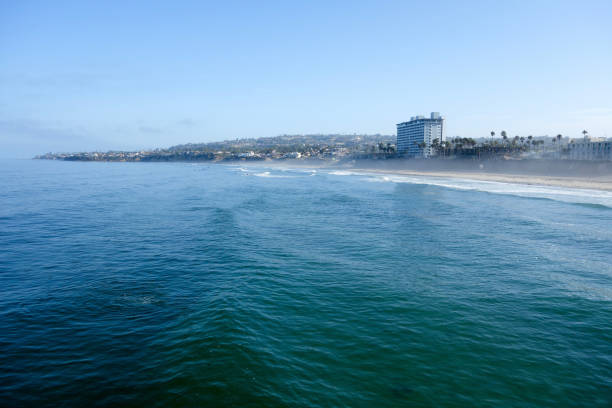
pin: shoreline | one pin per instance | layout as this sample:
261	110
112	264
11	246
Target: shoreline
600	182
595	183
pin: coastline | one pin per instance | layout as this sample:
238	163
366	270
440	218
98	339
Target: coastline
593	183
552	173
590	176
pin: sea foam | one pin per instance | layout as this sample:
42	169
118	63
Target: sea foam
564	194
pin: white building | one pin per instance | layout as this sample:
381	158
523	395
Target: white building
292	155
417	131
589	149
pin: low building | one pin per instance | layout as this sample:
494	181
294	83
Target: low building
292	155
589	149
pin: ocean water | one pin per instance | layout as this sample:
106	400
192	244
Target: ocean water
132	284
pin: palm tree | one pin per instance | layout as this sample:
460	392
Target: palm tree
504	135
492	134
435	145
447	146
559	144
585	133
422	145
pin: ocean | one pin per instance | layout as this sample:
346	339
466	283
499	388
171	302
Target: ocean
177	284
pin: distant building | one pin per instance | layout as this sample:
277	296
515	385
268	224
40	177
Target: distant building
292	155
417	131
590	149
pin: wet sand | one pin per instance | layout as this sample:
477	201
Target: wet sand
592	183
558	173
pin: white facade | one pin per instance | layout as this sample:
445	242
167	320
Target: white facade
590	150
418	130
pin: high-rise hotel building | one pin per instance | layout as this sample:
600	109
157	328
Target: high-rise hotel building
418	130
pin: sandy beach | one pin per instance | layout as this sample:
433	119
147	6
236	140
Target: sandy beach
568	174
593	183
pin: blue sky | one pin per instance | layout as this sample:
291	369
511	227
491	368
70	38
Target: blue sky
129	74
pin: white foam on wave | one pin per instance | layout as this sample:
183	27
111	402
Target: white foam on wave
267	174
310	172
564	194
295	169
345	173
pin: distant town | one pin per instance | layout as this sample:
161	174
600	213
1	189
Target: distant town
419	138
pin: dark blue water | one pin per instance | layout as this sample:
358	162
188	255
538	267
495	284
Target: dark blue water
131	284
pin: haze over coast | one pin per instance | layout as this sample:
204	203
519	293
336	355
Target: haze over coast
540	160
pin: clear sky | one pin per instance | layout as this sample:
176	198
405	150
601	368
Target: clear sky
104	75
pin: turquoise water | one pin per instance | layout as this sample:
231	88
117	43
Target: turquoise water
177	284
